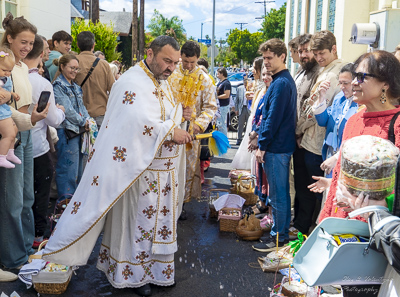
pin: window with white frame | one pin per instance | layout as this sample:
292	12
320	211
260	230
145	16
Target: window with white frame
7	6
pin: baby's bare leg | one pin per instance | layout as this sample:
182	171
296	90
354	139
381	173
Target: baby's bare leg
8	131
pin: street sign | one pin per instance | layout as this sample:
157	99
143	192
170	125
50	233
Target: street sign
216	51
205	41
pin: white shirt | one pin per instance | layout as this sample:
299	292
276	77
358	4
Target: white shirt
54	117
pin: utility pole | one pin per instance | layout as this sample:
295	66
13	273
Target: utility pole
241	25
265	7
95	15
201	35
141	31
213	40
134	31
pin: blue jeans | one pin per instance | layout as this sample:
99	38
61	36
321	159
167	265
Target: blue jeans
221	121
69	163
276	168
17	229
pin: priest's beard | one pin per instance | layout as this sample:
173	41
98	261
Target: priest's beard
307	66
159	73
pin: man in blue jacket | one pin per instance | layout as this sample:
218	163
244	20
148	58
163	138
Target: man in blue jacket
277	140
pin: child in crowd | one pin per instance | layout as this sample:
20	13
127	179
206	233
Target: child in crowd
8	129
61	45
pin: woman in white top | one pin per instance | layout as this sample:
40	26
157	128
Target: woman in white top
16	185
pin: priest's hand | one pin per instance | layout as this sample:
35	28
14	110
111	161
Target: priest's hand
187	113
181	136
196	129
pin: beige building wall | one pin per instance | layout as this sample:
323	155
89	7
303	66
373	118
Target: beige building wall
347	13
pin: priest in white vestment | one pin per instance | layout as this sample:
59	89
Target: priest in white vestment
131	182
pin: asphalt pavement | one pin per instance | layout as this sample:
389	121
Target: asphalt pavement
208	263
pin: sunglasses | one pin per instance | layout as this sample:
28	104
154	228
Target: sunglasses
360	76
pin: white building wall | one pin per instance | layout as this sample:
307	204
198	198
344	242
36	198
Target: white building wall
325	15
48	16
348	13
313	16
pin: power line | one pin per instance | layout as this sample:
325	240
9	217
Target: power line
241	25
221	12
265	7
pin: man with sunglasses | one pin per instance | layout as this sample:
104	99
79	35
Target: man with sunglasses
310	136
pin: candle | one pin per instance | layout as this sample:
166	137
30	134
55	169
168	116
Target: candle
277	242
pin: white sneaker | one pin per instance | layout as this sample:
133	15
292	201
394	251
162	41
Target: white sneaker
6	276
293	233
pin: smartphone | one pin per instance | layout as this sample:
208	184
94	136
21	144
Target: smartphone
43	99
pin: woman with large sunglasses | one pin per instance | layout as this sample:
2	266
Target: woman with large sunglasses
376	85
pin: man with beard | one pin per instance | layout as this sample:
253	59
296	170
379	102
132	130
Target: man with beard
305	79
131	184
309	135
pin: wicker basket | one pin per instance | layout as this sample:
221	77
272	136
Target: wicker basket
251	198
56	289
244	186
214	195
228	223
51	287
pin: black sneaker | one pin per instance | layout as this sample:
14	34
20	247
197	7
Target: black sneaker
268	245
143	290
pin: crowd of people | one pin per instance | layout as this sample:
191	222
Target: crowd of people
308	117
95	122
47	100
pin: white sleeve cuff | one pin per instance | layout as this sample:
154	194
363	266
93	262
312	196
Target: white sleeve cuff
319	108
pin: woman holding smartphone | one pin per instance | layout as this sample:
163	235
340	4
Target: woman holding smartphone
16	185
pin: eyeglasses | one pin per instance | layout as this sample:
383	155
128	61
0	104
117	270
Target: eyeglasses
74	69
344	83
360	76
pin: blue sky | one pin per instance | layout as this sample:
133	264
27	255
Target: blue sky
195	12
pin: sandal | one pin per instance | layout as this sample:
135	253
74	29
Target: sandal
259	209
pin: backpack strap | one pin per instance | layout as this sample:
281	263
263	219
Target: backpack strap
90	71
391	136
396	202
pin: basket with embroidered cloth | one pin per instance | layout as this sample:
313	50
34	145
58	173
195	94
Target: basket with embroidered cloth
46	278
214	194
229	209
243	184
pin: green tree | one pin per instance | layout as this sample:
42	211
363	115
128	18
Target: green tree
221	42
226	57
244	44
160	25
105	38
273	25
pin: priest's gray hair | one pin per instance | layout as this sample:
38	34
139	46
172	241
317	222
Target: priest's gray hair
162	41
